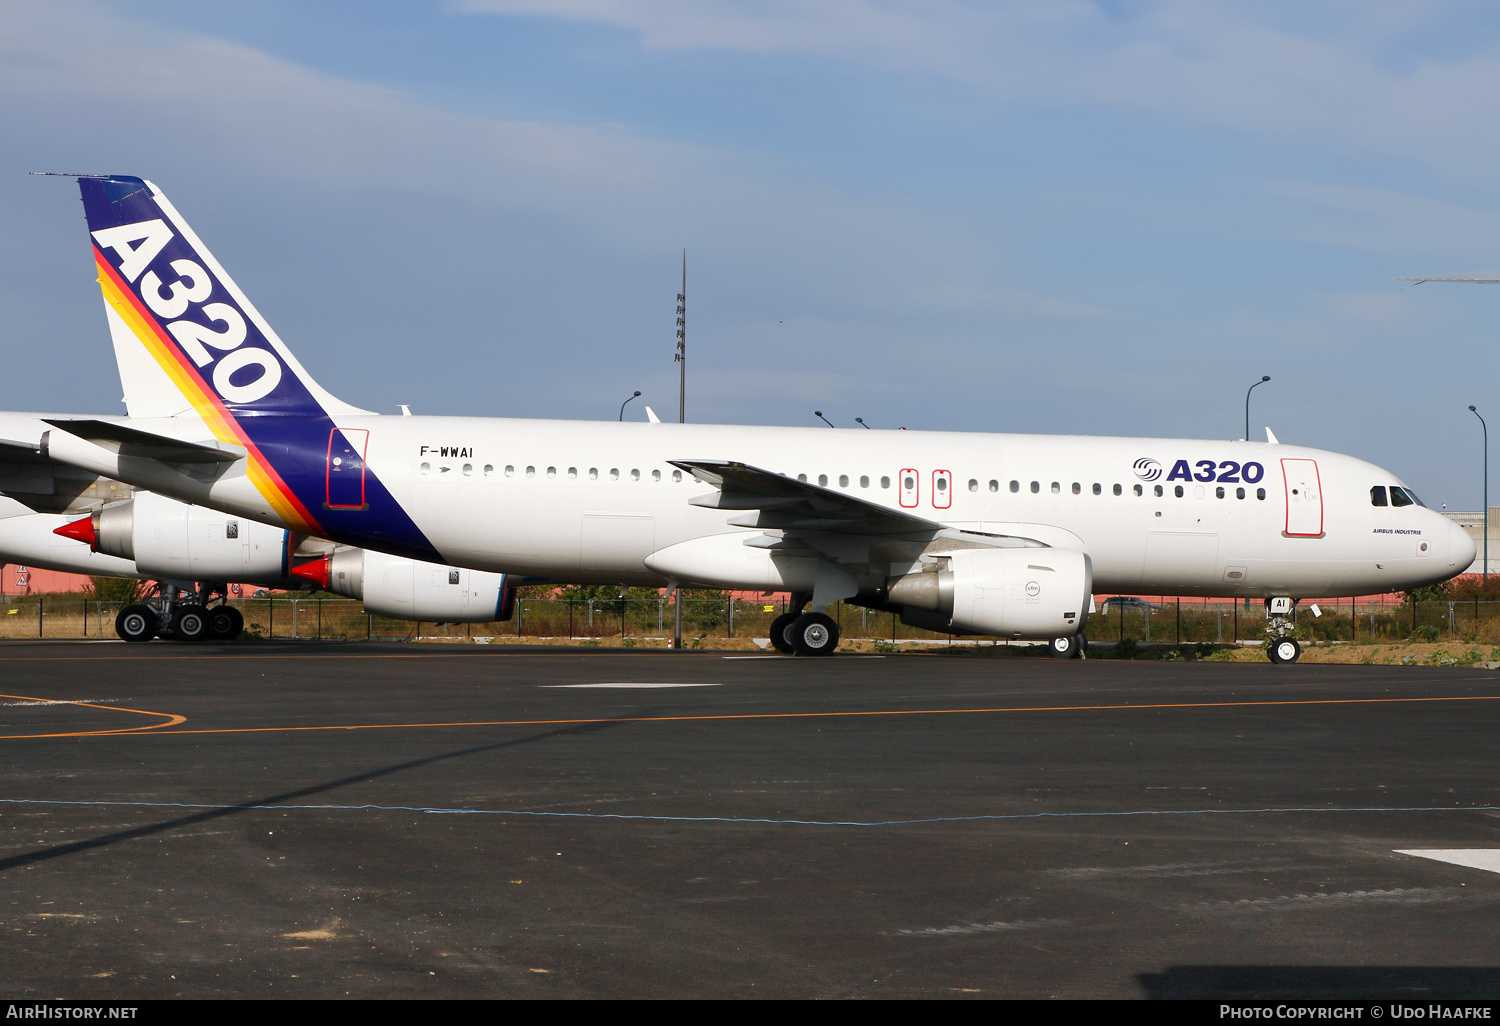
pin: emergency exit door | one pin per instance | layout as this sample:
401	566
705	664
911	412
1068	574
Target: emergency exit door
346	468
1304	498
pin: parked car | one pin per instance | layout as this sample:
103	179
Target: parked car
1127	603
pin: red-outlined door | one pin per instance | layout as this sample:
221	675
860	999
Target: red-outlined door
1304	498
942	489
911	488
345	483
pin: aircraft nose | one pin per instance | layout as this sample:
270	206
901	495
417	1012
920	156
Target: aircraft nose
1461	548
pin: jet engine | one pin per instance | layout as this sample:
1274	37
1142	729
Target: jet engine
406	589
1013	593
172	540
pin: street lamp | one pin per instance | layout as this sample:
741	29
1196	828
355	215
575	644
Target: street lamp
825	420
622	405
1486	570
861	422
1264	378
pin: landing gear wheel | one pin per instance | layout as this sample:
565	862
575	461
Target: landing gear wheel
225	623
1067	648
779	639
814	634
190	623
1284	651
136	624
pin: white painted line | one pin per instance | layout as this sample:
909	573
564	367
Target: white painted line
1487	859
630	685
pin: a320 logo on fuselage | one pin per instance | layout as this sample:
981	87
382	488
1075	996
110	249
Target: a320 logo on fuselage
234	374
1224	472
1147	469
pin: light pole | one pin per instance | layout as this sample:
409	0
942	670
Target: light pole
1486	570
825	420
1264	378
633	395
861	422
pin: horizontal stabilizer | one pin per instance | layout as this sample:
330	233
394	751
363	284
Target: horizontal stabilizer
129	441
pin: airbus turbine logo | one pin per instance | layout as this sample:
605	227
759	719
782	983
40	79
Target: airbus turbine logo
1147	469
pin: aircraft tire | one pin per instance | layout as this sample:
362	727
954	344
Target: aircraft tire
136	624
779	639
1284	651
814	634
225	623
1067	648
191	623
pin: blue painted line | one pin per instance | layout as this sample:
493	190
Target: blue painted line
747	819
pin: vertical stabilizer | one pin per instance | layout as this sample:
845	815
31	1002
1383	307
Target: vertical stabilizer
186	338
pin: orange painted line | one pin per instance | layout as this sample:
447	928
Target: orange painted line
172	719
783	716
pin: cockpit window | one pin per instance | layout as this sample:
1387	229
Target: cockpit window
1377	495
1399	497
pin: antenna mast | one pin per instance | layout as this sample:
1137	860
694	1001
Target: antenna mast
681	356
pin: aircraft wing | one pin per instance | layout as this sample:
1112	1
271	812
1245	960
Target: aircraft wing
22	452
129	441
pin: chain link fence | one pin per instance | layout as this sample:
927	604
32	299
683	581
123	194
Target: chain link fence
705	621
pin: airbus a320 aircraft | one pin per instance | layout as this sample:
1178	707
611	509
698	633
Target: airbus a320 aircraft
994	534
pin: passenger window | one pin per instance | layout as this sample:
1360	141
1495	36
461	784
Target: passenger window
864	480
973	485
885	482
1015	486
1399	497
531	472
614	473
1158	491
1377	495
1260	493
994	485
1119	490
843	480
1139	490
468	469
635	475
1036	486
909	483
1098	488
510	471
676	475
426	468
942	484
489	470
1056	488
1178	490
593	473
573	472
656	475
1239	493
802	477
1077	488
1219	491
551	471
822	480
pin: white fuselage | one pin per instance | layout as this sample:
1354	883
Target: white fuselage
590	502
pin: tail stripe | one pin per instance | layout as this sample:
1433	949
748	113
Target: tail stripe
205	402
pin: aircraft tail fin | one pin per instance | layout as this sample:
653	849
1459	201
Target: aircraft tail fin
186	338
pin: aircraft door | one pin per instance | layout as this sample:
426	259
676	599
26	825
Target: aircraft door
942	489
910	488
346	468
1304	498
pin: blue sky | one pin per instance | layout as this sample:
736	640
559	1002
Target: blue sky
1101	218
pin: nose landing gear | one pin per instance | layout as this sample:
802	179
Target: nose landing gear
1281	647
1067	648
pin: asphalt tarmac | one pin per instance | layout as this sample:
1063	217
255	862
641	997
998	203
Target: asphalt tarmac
381	820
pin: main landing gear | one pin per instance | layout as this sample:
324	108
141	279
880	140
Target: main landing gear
173	614
1281	647
1067	648
804	634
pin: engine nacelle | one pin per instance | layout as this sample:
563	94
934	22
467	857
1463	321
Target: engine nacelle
407	589
173	540
1013	593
